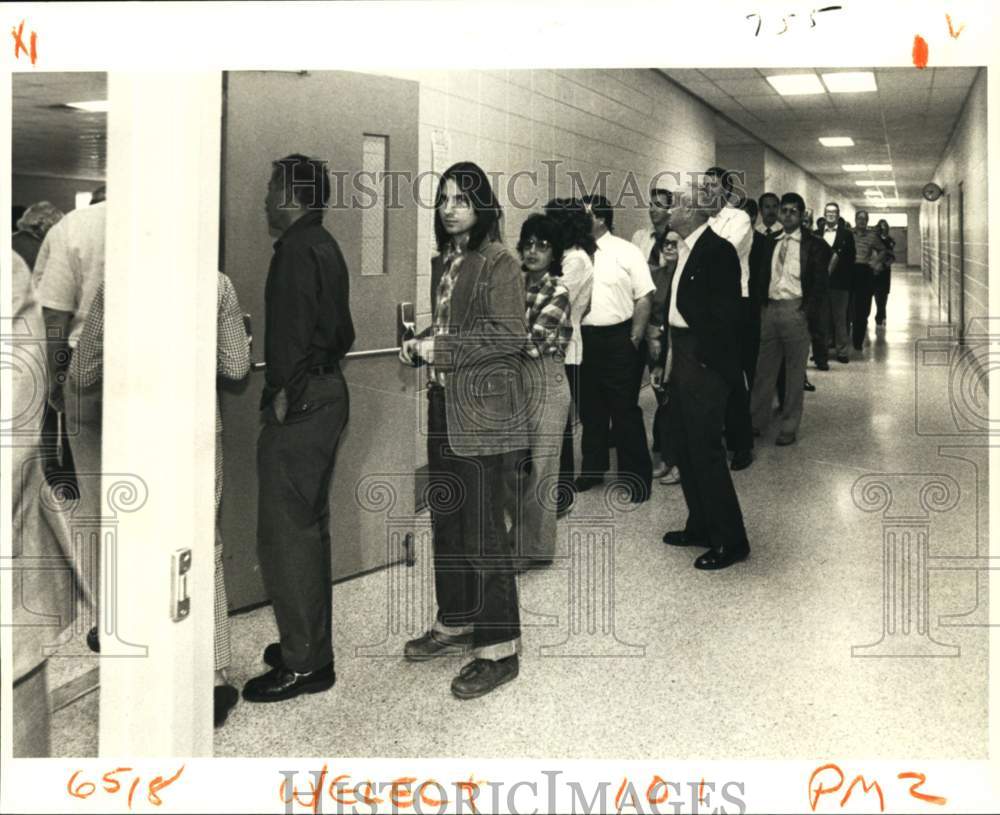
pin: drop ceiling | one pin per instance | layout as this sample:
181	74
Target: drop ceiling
58	141
906	123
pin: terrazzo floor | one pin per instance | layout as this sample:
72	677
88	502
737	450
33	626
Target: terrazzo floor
630	652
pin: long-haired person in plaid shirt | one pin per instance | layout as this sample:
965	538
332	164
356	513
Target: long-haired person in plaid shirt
550	330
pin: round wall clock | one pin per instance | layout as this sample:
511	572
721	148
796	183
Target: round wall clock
932	191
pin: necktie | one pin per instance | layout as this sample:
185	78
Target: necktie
781	254
654	252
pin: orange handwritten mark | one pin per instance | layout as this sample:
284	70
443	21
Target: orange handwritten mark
815	793
921	779
109	781
952	31
78	792
470	787
866	788
432	802
701	789
316	792
158	784
400	794
618	795
920	52
652	785
19	46
131	792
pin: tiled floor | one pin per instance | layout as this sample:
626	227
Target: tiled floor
753	661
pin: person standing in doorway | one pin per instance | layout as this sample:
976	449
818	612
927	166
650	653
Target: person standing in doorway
883	274
869	253
838	236
304	408
769	226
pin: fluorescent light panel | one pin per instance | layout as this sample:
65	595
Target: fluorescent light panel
836	141
867	168
93	106
875	183
796	84
880	168
850	82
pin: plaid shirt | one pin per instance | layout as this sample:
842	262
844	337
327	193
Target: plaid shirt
548	316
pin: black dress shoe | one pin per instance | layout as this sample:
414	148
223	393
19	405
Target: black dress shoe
681	538
280	684
226	697
741	460
585	482
481	676
272	655
809	386
822	366
843	358
93	640
435	644
719	559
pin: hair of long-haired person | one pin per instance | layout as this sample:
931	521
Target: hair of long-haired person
472	182
574	223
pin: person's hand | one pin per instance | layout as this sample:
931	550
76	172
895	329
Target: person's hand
280	406
408	352
635	342
655	348
425	349
57	400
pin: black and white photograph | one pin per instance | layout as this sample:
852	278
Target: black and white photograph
504	418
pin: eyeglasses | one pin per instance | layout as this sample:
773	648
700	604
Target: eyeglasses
536	245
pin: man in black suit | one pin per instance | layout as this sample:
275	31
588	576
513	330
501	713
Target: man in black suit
840	239
702	362
795	279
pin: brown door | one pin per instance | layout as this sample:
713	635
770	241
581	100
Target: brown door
361	124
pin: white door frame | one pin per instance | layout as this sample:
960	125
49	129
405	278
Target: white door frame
164	138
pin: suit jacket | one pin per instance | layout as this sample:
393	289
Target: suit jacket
843	247
488	373
757	286
814	260
708	298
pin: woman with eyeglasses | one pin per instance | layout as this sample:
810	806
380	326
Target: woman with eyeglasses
883	274
547	305
577	267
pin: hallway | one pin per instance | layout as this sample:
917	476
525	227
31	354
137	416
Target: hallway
751	662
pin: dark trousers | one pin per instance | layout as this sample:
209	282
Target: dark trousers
881	284
567	457
739	431
817	333
473	575
294	466
698	397
861	296
609	392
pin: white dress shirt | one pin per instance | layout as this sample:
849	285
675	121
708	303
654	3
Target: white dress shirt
786	272
830	235
70	264
578	278
644	240
733	224
684	248
621	276
767	231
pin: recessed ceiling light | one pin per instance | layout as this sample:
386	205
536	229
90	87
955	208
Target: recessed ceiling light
796	84
875	183
880	168
850	82
93	106
855	168
836	141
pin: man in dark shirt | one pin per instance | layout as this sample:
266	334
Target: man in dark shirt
304	408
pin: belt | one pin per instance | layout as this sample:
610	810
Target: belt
320	370
606	329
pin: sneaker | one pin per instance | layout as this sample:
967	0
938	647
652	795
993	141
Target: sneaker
671	476
481	676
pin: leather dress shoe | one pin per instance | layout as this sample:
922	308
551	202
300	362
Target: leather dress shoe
823	366
843	358
585	482
715	559
681	538
93	640
741	460
272	655
809	386
280	684
481	676
434	644
784	439
226	697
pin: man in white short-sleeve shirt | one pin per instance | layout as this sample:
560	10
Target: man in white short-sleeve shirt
68	272
613	358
